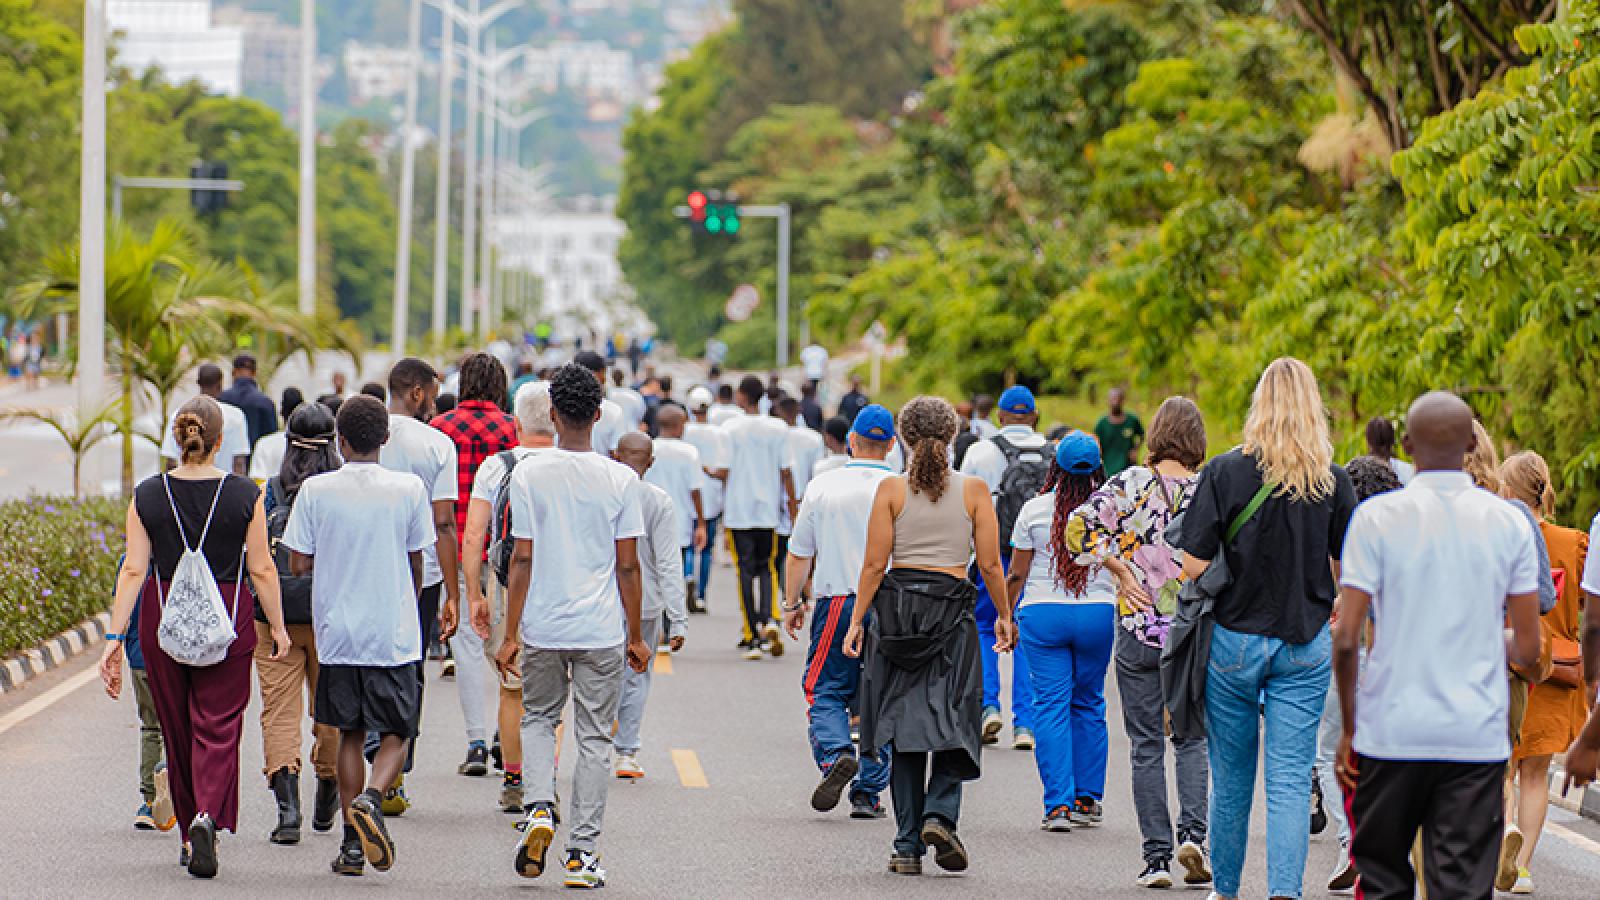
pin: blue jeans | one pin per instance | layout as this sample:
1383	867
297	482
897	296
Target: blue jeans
1069	649
1021	684
1249	673
690	568
831	680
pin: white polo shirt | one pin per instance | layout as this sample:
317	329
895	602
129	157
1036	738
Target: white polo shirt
832	525
758	453
712	443
677	471
1439	558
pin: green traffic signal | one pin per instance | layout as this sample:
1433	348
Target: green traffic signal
713	223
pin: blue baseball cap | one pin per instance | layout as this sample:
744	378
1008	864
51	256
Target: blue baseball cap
875	423
1017	399
1078	453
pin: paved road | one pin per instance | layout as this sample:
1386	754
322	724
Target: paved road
68	788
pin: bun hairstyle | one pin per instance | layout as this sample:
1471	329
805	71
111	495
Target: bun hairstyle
1526	477
197	429
928	425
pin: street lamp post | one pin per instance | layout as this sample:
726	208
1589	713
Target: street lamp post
307	270
92	215
489	67
408	179
441	196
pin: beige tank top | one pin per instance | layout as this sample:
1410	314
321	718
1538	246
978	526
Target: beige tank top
929	535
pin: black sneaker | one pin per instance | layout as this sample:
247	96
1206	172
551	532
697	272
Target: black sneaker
477	763
1319	815
1058	820
495	754
203	847
905	864
837	778
948	851
866	808
1087	811
350	860
367	818
1157	874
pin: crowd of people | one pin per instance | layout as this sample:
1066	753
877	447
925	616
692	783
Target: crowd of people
556	529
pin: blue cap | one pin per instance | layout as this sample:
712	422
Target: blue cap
875	423
1078	453
1017	399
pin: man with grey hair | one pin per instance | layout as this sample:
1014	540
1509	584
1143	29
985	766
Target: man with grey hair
485	587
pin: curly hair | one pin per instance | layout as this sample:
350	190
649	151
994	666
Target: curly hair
482	378
1372	475
197	429
575	395
928	425
1072	490
363	423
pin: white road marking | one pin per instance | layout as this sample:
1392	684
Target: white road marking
1560	831
46	700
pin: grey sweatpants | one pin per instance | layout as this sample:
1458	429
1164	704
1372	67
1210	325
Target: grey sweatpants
636	689
1143	717
594	680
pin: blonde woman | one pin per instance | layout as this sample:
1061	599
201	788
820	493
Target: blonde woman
1271	635
922	675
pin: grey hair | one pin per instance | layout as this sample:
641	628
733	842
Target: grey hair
533	408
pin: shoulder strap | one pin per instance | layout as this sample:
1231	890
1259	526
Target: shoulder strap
1250	509
177	519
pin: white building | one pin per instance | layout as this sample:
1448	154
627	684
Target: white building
585	67
375	73
573	249
179	38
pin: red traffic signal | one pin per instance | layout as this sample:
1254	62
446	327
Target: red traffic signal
697	206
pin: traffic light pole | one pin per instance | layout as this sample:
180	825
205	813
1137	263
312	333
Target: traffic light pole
780	212
121	182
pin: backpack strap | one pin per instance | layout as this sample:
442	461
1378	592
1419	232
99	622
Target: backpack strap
1250	509
206	529
1007	449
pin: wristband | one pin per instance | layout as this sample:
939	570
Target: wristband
114	636
801	605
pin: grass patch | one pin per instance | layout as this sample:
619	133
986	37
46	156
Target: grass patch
58	565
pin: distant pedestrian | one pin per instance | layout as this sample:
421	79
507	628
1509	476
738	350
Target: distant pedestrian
712	444
805	451
1381	444
632	402
613	423
1120	432
814	360
810	409
836	438
982	410
234	456
677	468
266	458
761	495
853	401
197	508
156	812
725	408
260	416
337	383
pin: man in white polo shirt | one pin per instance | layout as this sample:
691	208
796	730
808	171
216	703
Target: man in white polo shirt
1439	566
828	544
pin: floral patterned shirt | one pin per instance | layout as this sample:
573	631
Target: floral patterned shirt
1127	518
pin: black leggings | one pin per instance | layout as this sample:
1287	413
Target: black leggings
753	550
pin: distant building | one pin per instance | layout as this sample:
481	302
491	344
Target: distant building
591	68
573	249
271	71
179	38
375	73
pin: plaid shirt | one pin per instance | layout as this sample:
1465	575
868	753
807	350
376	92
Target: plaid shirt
480	430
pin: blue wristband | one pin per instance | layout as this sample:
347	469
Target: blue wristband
113	636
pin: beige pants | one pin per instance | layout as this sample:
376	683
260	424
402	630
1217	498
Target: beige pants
287	685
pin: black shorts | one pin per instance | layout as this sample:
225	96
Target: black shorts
369	698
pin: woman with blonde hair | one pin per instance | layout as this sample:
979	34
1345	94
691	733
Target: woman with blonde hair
1556	707
1276	508
922	676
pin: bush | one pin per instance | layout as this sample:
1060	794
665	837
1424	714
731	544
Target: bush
58	565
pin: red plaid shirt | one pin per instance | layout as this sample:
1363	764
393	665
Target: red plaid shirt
480	430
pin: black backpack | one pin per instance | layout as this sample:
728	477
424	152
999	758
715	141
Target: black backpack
296	589
1027	472
500	541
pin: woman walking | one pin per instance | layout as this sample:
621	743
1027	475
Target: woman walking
1123	527
201	708
287	682
1066	620
922	677
1289	506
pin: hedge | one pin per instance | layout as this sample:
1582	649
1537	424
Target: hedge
58	565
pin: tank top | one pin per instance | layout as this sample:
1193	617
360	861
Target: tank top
934	535
224	544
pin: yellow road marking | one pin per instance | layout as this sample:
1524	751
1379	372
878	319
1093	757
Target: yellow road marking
49	698
663	663
1571	837
690	775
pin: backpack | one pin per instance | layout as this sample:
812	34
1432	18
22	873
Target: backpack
196	628
500	541
295	589
1027	472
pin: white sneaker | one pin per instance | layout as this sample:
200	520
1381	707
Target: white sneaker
753	652
583	870
774	640
1196	867
628	766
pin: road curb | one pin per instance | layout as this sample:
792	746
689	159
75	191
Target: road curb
1584	801
52	654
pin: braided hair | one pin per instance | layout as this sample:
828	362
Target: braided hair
928	425
1072	490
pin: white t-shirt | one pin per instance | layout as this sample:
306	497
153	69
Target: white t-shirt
1032	532
235	437
985	459
429	454
805	451
1591	563
758	452
660	558
360	522
720	413
832	525
609	430
814	358
1439	558
677	471
487	481
632	405
268	456
983	428
1402	470
712	443
574	507
829	463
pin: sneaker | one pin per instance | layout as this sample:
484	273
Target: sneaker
538	830
992	723
905	864
1022	738
839	775
395	803
477	762
1157	874
583	870
511	794
203	847
948	851
628	766
1319	815
350	861
161	808
753	650
1196	867
1058	819
495	756
143	820
183	856
774	638
447	669
1088	812
366	814
866	808
1506	875
1523	884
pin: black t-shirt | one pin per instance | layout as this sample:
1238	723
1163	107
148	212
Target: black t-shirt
1282	584
224	546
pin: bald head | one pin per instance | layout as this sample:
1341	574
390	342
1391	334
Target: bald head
1439	431
670	420
635	451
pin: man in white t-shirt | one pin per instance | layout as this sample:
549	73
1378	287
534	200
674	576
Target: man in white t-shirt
814	359
805	451
677	469
535	431
835	437
426	452
234	455
1440	566
362	529
266	458
760	487
576	521
631	401
712	443
613	422
826	549
725	408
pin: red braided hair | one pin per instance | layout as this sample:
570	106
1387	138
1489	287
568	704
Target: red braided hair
1072	490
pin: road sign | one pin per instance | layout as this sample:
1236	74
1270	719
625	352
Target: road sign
742	303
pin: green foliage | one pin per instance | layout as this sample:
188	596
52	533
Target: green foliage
58	564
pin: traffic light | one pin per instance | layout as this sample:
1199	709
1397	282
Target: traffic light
712	212
203	200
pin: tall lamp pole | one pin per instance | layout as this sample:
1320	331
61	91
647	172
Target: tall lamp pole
441	197
308	158
408	179
92	215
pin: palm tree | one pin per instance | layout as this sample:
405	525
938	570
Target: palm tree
79	436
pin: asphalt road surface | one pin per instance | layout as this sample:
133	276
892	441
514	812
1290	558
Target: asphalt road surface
722	813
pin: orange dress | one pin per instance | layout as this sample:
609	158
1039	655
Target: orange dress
1556	713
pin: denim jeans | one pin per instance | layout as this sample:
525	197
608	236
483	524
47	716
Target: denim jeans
1069	646
700	565
831	681
1021	683
1143	717
1251	677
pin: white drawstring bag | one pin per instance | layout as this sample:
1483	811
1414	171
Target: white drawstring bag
196	628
